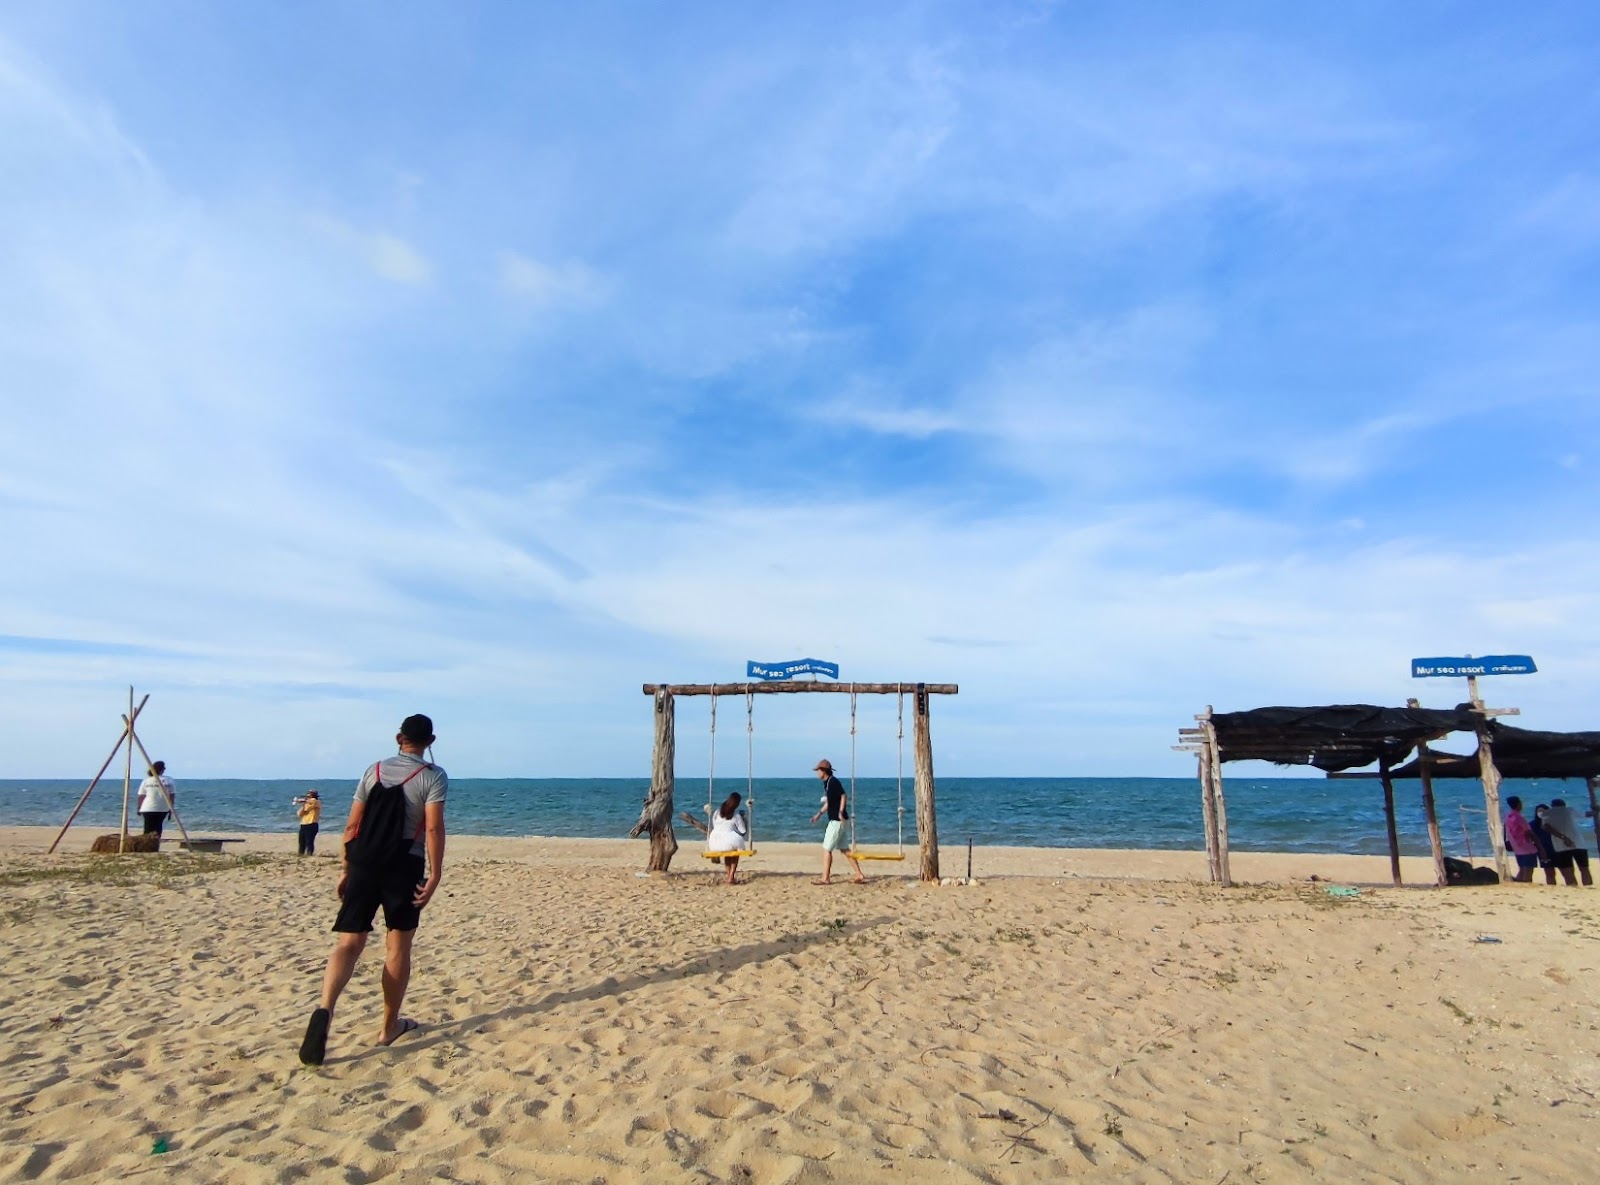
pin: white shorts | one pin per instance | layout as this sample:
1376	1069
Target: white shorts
836	838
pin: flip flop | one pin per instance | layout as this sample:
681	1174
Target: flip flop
822	882
315	1046
407	1025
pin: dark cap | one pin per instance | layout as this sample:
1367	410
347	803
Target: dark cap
417	729
824	764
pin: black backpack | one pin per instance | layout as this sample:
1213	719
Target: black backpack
381	842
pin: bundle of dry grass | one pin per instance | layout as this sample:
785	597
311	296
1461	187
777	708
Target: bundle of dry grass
112	844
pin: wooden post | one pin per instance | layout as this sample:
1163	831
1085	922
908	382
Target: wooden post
1208	811
1425	774
927	816
1491	799
95	781
1388	817
127	785
656	815
1219	805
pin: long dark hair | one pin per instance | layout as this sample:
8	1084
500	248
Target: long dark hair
729	805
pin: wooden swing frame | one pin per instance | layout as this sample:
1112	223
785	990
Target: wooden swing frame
656	816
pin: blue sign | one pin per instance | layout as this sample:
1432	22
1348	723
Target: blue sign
1459	668
788	670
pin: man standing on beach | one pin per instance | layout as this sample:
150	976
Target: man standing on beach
397	883
834	839
1566	838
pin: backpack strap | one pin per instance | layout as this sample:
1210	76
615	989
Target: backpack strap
422	826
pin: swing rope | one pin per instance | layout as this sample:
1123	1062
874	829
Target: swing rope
854	802
711	778
750	768
749	848
900	770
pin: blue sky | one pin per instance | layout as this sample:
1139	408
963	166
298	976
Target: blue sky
492	360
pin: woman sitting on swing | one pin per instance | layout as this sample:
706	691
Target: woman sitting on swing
730	832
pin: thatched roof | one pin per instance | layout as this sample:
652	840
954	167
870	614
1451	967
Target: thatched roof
1337	737
1520	753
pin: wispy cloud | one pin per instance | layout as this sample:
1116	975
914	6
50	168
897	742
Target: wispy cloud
1108	371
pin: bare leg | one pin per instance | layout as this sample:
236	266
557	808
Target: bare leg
733	867
861	877
827	866
1568	875
396	975
341	963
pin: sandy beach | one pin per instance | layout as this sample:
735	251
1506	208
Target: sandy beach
1084	1015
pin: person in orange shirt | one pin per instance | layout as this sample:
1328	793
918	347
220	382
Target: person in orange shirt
310	816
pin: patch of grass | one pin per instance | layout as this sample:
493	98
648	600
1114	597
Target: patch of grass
836	926
1462	1014
1015	934
142	868
919	935
1113	1127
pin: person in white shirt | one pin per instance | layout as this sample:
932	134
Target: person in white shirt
1566	838
156	796
730	832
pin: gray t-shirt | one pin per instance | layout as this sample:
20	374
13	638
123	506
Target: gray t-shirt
430	785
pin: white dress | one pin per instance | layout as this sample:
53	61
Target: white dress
728	835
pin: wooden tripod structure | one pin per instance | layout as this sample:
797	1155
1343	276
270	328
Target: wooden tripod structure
656	816
131	737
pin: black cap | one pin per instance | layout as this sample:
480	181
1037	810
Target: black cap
417	729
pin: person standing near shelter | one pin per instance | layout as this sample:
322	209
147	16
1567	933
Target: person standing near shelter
1547	853
156	796
1566	840
384	865
310	821
1519	838
835	838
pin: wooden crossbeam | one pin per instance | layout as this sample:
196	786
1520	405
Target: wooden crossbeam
792	688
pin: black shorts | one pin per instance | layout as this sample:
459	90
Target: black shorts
1578	856
391	888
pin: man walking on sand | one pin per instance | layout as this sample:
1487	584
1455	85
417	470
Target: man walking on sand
834	839
401	799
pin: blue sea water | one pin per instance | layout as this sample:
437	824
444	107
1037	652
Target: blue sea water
1264	815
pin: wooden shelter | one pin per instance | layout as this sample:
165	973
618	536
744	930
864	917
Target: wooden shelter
1333	738
655	818
1517	753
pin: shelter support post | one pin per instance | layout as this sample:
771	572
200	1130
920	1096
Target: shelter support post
1388	818
927	816
1431	813
1491	801
1208	812
656	816
1219	806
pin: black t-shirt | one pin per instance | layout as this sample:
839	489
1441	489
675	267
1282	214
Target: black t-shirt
836	807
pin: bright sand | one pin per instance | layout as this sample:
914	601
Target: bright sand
1077	1015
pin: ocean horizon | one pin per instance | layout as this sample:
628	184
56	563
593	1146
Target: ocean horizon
1264	814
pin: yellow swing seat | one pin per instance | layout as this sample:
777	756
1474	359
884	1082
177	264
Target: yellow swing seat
876	855
724	855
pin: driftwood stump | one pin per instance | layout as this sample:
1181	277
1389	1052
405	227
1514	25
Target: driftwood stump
112	844
655	817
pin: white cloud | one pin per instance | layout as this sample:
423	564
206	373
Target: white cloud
564	285
387	256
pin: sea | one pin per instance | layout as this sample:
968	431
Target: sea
1264	814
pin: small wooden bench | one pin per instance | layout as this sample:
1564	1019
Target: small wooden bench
206	844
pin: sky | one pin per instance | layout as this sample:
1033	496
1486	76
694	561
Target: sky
493	360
